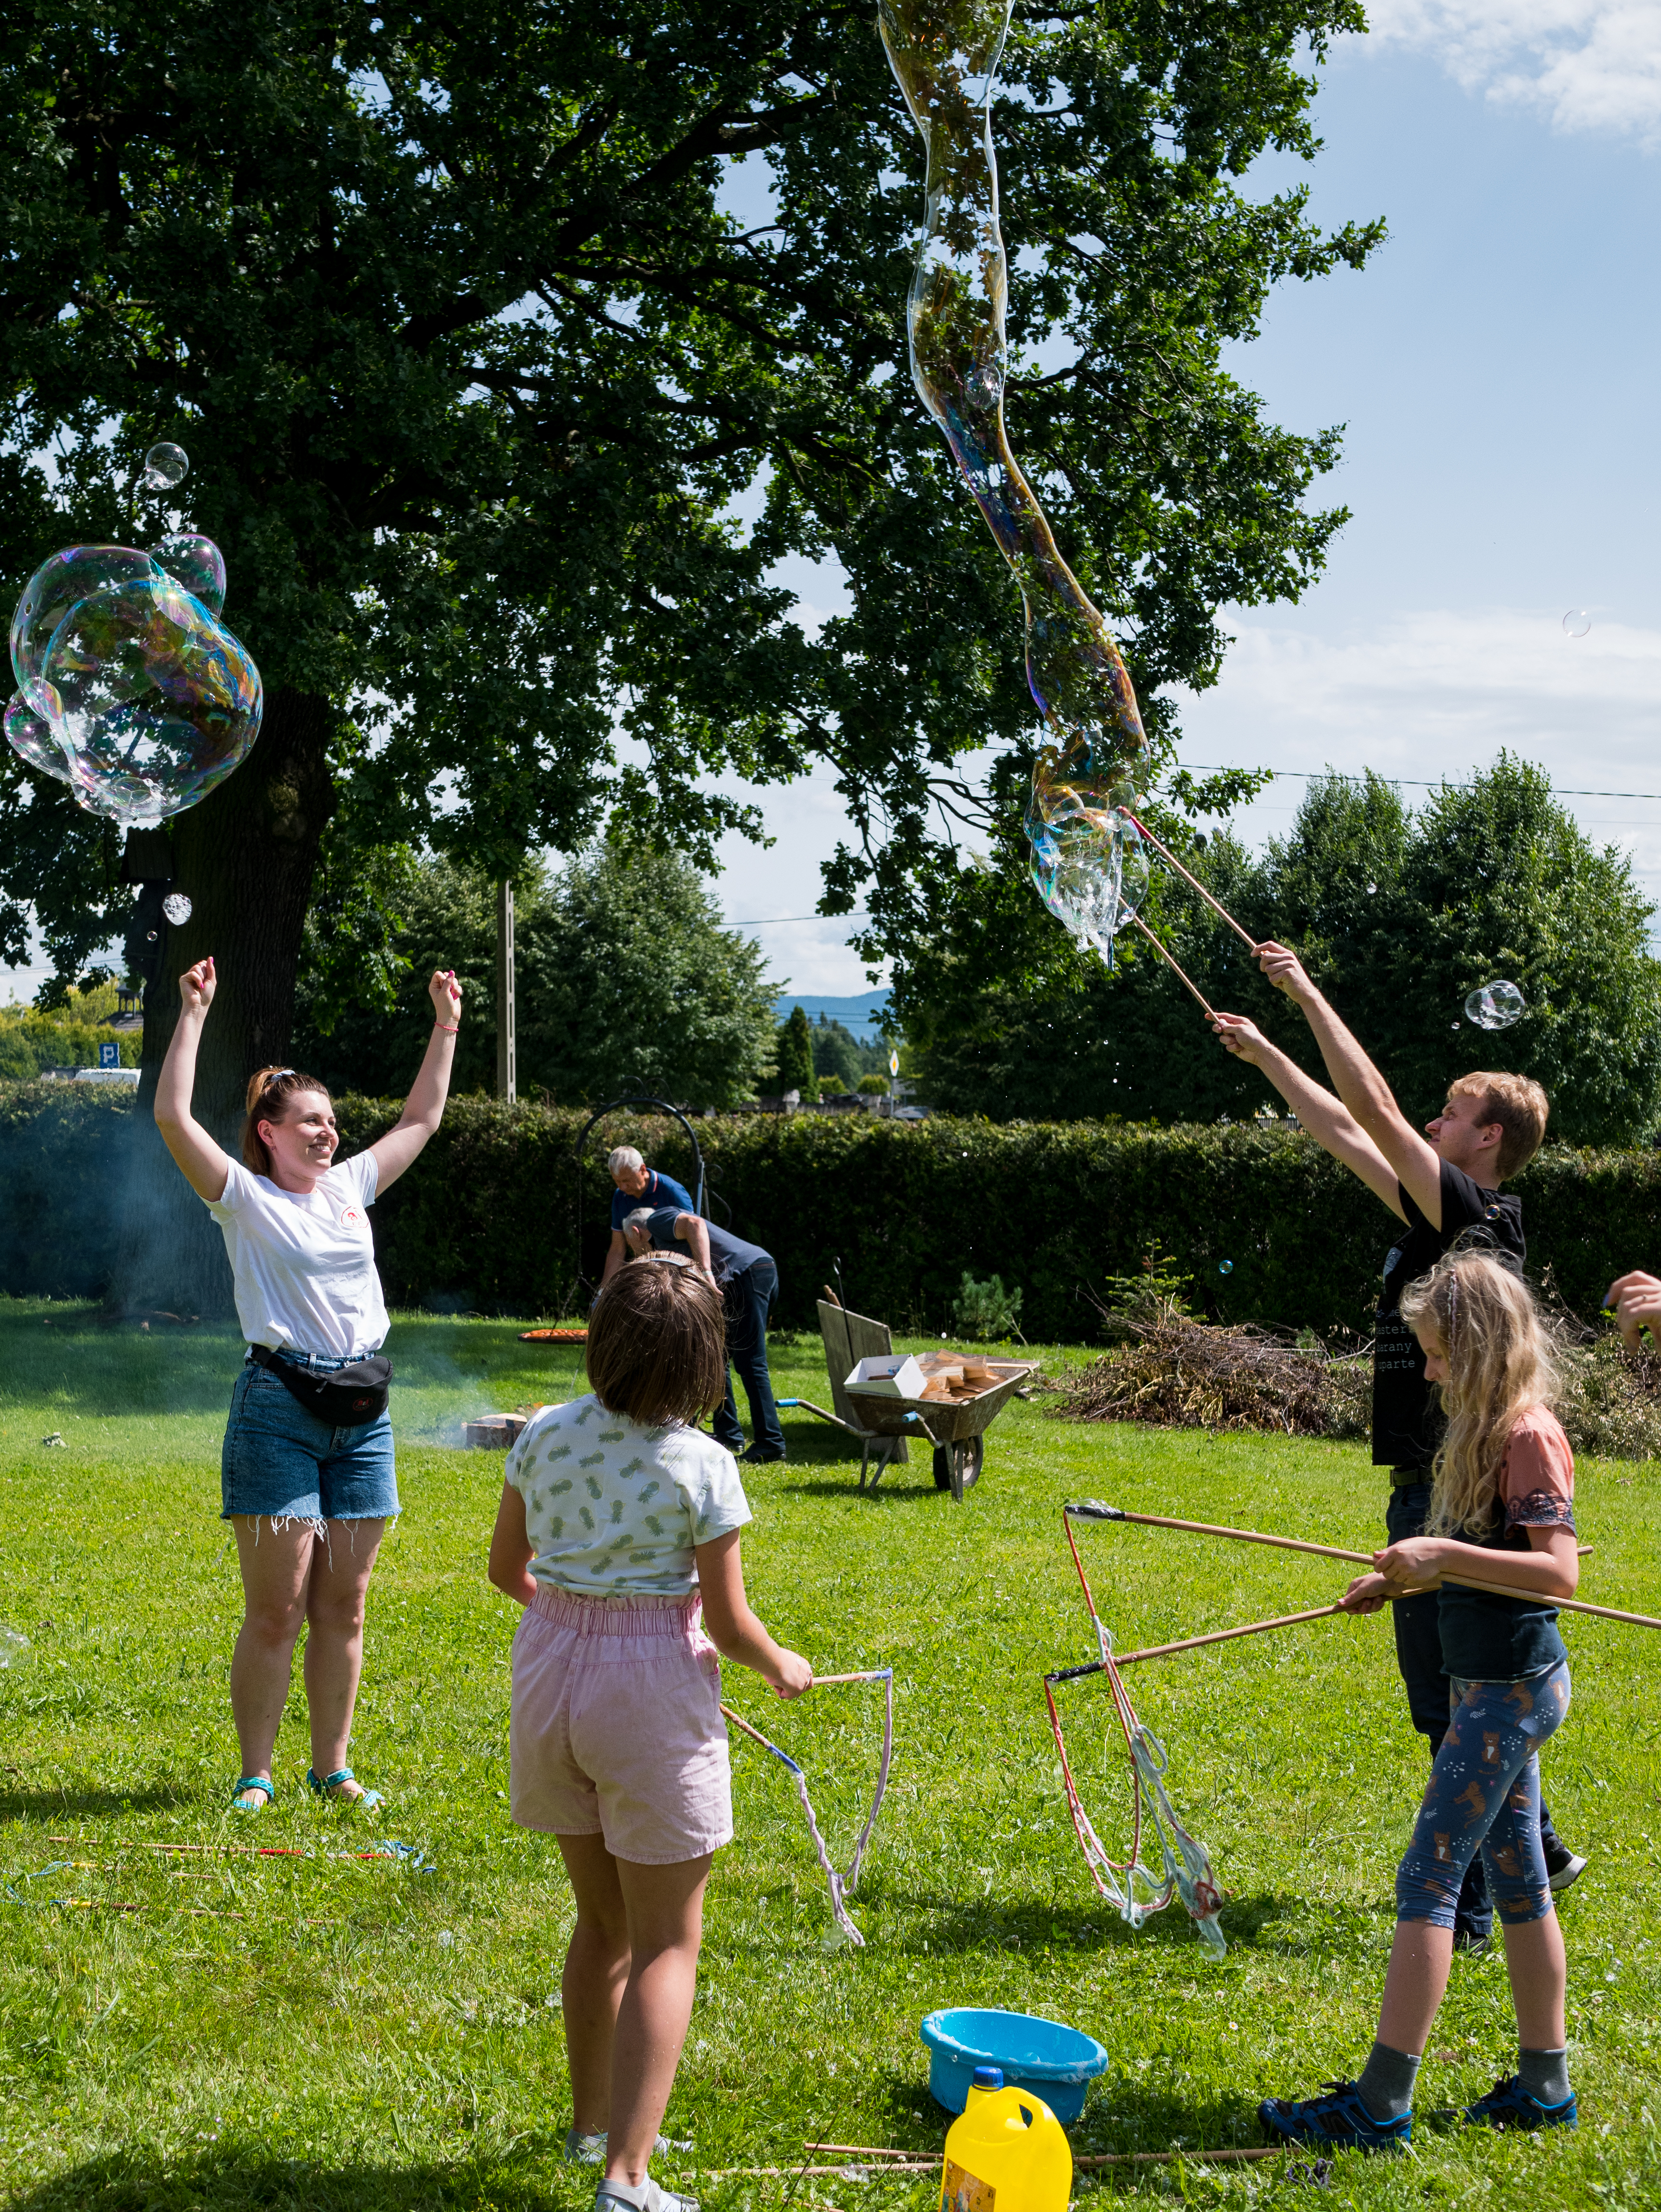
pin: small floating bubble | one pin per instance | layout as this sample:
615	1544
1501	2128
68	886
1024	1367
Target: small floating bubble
166	466
1576	623
1495	1006
1225	1266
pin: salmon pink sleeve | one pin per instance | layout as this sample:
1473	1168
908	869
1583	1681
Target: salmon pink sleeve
1537	1481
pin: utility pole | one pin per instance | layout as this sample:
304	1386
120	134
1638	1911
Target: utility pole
506	1054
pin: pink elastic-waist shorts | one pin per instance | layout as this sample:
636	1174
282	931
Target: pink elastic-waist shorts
617	1729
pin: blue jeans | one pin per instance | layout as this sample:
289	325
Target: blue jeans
282	1461
749	1299
1484	1794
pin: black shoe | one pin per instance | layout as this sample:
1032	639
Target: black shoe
1564	1867
756	1457
1473	1941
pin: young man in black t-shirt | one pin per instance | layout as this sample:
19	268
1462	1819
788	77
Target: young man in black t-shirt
1445	1187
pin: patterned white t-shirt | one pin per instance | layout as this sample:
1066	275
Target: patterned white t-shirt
613	1509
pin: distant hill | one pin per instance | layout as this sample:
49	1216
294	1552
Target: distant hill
860	1017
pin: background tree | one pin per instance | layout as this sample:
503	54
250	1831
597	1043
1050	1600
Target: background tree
1399	915
793	1052
625	981
472	366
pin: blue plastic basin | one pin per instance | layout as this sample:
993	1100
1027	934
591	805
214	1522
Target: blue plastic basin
1055	2063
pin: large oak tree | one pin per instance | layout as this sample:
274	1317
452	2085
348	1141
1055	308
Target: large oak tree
471	364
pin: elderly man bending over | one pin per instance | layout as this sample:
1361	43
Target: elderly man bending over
748	1282
637	1185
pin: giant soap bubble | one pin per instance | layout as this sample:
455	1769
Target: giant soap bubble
944	54
30	735
155	701
132	690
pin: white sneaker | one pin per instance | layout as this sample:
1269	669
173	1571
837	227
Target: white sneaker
625	2196
1566	1874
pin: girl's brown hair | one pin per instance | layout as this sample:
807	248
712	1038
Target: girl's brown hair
1501	1358
269	1093
657	1344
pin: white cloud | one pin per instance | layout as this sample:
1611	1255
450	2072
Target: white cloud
1439	694
1590	64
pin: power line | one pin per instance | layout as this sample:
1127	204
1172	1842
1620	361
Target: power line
1414	782
773	920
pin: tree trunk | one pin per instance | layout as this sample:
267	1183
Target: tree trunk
244	858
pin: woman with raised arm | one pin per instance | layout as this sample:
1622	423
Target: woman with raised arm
307	1472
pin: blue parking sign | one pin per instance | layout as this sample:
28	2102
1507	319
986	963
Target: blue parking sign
109	1055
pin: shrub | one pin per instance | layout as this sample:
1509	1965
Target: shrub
1054	1209
873	1086
986	1309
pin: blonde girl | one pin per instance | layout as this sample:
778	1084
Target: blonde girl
1501	1510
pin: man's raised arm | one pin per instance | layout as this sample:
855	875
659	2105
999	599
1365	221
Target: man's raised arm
1369	1098
1333	1127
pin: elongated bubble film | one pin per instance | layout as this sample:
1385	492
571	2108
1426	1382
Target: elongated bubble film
1087	859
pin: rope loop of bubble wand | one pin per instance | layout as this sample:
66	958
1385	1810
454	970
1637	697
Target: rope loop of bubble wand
1188	1869
841	1886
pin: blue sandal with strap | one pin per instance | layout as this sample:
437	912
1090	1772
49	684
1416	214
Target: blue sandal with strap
242	1797
330	1786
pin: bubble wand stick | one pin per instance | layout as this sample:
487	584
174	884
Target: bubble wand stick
1216	905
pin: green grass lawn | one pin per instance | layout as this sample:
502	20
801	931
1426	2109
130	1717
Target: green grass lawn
328	2031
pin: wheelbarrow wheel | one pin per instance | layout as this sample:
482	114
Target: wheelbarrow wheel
957	1467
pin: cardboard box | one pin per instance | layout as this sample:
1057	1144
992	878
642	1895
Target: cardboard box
894	1375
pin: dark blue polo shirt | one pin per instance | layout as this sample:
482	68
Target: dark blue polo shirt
729	1255
660	1190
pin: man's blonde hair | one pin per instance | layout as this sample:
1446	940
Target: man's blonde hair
1520	1107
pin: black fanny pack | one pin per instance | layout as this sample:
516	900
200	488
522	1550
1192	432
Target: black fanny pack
347	1399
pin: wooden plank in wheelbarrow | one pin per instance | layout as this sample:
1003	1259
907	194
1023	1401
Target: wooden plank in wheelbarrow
849	1338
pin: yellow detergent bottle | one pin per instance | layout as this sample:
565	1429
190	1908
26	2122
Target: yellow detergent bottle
1008	2153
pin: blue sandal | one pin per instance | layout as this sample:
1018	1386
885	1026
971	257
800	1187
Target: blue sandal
242	1797
330	1787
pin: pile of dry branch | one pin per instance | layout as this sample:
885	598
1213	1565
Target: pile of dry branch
1173	1372
1177	1372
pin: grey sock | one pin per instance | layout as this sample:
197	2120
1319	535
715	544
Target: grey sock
1544	2075
1386	2083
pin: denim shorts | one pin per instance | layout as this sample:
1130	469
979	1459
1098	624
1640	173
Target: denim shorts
282	1461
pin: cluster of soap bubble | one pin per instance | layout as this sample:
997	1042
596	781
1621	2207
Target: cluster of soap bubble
131	689
1495	1006
1087	862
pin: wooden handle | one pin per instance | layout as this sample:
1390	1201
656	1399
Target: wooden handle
1166	955
1239	1535
1216	905
1224	1635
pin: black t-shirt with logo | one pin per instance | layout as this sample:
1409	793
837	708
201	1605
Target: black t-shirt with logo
1405	1420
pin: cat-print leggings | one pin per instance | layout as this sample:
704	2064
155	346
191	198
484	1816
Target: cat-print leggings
1484	1794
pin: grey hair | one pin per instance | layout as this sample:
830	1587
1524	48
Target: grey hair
639	1218
624	1156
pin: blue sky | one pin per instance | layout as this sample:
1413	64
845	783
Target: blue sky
1496	366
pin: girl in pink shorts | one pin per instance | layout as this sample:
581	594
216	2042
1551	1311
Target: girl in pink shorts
618	1534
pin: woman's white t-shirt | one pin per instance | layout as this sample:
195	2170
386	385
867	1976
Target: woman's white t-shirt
304	1262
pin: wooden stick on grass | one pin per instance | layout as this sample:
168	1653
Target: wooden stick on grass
1091	1509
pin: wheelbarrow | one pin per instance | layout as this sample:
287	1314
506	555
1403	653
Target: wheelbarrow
953	1428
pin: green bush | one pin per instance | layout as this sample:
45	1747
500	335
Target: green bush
986	1310
488	1215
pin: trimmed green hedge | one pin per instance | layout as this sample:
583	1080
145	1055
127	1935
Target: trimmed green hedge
486	1219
